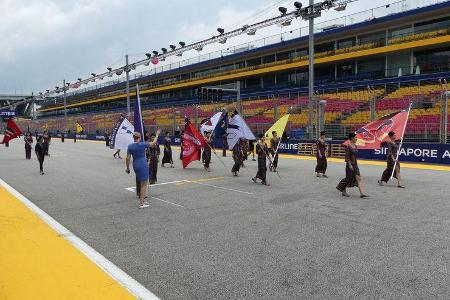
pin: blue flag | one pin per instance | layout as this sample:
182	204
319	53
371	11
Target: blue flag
222	125
138	125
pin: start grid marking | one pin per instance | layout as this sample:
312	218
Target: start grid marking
198	182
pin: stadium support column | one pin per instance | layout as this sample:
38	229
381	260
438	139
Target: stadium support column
65	104
127	72
311	72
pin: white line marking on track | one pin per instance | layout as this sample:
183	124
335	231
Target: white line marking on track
115	272
162	200
164	183
220	188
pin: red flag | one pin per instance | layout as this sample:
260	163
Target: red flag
192	141
12	131
373	134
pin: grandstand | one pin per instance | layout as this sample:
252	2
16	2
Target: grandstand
401	54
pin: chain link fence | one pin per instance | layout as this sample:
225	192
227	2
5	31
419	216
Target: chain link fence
338	111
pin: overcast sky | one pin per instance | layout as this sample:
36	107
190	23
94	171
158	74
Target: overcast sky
44	41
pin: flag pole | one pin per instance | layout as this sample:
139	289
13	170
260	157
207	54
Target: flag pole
214	151
140	113
401	142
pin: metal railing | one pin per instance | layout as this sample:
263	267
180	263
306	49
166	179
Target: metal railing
381	11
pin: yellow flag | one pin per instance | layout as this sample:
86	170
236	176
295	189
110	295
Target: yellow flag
79	128
279	127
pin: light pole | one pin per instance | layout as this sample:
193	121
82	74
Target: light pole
65	104
311	69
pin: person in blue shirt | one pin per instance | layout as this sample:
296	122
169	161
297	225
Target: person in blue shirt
137	150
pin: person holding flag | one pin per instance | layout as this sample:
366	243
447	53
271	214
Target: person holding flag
237	130
207	151
192	141
273	150
78	130
47	139
392	168
167	158
352	175
263	153
28	141
12	131
321	155
39	149
386	129
238	158
153	152
273	139
122	136
137	151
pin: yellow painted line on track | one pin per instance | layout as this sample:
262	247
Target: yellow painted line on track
40	259
199	180
374	162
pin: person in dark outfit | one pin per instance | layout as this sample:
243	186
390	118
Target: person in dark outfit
321	156
107	140
62	136
251	149
28	141
390	160
167	158
207	152
273	151
263	153
47	139
238	158
181	145
352	175
39	149
153	153
224	145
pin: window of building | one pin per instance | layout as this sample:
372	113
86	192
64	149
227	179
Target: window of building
346	43
433	60
432	25
301	52
284	78
346	69
324	47
254	62
268	81
253	82
374	65
284	55
399	32
379	38
324	73
268	58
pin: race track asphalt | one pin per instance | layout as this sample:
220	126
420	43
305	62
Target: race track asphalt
213	236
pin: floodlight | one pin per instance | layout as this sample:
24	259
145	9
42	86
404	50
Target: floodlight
283	10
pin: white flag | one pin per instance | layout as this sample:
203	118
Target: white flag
237	128
122	135
211	124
